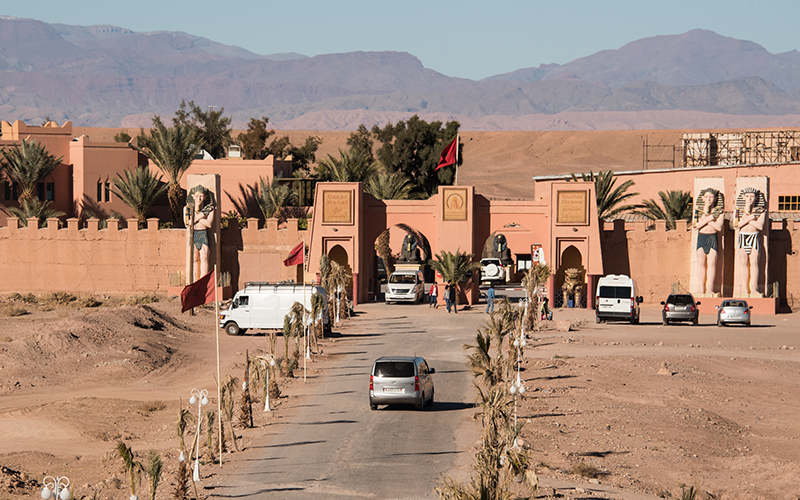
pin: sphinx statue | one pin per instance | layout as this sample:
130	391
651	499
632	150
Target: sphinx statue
410	252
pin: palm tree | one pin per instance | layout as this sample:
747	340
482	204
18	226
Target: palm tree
273	197
154	469
609	198
139	190
389	186
226	402
341	280
172	149
675	205
33	208
185	417
27	164
351	166
133	468
532	282
454	266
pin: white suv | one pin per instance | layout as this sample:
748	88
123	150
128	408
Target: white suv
492	271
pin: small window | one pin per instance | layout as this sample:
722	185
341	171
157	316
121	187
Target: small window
108	191
40	190
99	191
402	369
244	300
50	191
614	292
524	262
789	203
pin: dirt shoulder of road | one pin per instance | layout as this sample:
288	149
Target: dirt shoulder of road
643	409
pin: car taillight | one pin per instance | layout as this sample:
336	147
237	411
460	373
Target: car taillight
370	382
692	309
746	311
633	303
722	311
416	383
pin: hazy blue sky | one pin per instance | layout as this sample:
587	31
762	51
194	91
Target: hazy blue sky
463	38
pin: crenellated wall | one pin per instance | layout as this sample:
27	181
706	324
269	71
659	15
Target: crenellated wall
129	260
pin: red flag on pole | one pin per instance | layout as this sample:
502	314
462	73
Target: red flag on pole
448	156
296	256
198	293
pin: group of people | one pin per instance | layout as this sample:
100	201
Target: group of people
449	297
450	300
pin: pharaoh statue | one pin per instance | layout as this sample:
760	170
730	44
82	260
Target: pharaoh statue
500	250
201	220
410	252
709	218
750	216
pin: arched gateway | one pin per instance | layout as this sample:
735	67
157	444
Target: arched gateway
348	222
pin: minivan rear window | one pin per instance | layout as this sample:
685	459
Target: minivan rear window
614	292
394	369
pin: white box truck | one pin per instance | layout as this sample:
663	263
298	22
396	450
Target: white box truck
264	305
617	299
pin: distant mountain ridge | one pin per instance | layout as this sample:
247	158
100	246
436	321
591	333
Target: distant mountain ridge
109	76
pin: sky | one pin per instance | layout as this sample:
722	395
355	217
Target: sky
466	38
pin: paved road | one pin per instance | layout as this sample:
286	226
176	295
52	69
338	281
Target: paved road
331	445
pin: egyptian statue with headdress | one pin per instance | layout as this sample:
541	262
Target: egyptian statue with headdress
202	219
708	220
750	215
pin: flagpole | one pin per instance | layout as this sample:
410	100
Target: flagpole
305	322
456	181
219	380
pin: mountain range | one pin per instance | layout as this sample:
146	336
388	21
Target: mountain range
109	76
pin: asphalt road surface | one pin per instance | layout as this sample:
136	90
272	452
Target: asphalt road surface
331	445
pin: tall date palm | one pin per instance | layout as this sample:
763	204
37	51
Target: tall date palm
172	149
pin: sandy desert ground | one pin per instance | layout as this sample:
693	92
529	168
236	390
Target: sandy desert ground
612	410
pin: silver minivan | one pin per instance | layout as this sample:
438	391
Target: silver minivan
401	380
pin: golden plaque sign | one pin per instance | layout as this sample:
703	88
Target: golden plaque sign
572	207
337	207
455	204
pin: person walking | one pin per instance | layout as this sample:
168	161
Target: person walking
452	293
490	299
433	295
447	295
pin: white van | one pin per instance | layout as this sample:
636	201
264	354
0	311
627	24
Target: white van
264	305
405	286
617	299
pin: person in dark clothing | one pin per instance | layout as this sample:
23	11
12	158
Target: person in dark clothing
447	289
452	294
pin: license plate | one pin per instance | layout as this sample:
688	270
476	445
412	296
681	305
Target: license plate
392	389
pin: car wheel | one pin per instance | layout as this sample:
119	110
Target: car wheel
430	401
232	328
373	407
635	321
597	319
664	320
421	404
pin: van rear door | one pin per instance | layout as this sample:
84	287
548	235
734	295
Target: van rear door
614	299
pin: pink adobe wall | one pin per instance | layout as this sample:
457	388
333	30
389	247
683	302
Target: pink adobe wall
100	162
234	172
253	254
89	260
56	140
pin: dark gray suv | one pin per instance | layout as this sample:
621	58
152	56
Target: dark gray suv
400	380
680	307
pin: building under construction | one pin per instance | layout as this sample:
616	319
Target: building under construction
741	148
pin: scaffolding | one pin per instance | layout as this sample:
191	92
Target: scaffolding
741	148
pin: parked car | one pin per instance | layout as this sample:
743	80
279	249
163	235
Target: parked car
405	286
401	380
680	307
733	311
492	271
616	299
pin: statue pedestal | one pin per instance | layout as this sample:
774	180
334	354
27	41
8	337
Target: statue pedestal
407	266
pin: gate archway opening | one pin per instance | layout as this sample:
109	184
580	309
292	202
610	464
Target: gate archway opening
575	289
